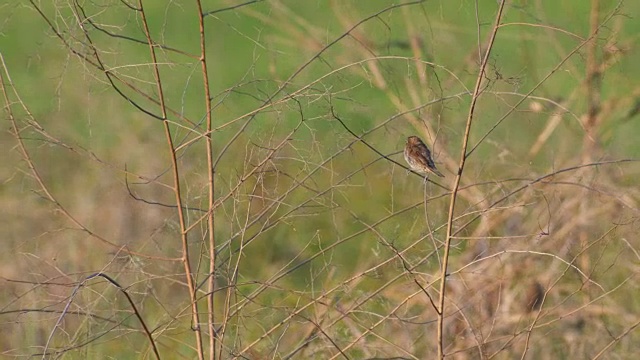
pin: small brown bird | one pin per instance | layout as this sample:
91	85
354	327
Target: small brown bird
418	156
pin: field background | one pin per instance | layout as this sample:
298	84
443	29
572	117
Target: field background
324	244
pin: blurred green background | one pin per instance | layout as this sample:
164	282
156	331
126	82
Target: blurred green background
311	215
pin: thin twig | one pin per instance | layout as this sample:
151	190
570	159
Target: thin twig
123	291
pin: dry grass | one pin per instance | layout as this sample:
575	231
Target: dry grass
231	185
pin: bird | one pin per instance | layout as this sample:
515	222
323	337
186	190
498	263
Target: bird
418	156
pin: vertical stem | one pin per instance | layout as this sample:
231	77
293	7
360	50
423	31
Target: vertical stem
210	219
185	246
176	189
456	186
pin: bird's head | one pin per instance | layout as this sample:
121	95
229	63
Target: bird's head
413	140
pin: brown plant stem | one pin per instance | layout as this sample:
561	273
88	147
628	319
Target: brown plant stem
178	194
211	199
456	186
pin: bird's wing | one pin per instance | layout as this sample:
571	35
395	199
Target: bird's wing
427	160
